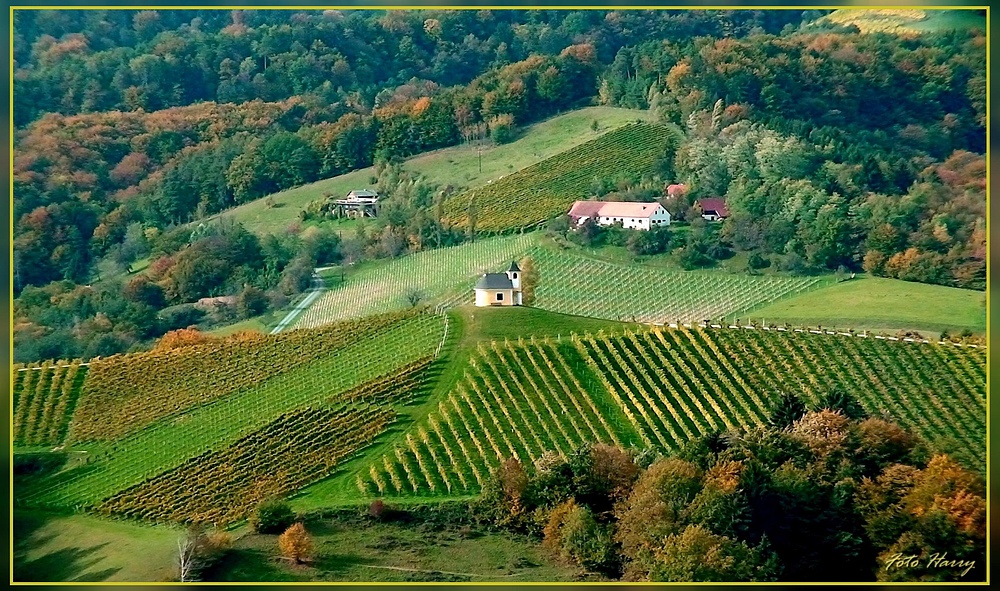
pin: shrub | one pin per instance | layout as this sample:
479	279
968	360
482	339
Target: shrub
502	128
251	302
272	516
588	542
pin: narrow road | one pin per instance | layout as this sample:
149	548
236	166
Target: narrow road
317	289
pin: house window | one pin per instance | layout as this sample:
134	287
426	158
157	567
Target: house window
499	297
514	275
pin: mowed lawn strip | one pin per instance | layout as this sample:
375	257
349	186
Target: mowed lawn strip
877	303
84	548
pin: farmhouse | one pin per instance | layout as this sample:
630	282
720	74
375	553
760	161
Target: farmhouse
500	289
630	214
713	209
359	202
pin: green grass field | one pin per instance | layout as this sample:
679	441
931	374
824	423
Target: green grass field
383	285
83	548
880	304
457	166
363	550
907	21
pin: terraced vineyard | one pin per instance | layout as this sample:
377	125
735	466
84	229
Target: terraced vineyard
224	486
115	465
573	284
516	399
127	392
44	398
547	189
662	387
437	274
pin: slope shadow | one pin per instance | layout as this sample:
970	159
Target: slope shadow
65	564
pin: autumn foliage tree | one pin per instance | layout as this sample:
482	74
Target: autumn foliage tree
529	281
182	337
296	543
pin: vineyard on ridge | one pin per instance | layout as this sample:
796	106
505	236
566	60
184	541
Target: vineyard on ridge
660	388
44	399
548	188
126	392
572	284
107	467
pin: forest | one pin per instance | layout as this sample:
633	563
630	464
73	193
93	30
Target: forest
820	494
839	150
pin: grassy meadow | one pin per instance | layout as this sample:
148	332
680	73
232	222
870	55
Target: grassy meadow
880	304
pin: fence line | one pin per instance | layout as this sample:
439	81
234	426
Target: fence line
862	335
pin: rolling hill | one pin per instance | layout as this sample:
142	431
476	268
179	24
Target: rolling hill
458	166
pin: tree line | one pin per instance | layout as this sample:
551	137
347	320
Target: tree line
69	61
832	148
813	183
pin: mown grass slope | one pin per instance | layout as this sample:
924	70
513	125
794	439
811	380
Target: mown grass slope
880	304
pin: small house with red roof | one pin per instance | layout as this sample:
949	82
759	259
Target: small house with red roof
713	209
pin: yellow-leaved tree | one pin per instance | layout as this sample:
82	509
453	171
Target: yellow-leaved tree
296	543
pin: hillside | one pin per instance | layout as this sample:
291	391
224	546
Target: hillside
456	166
432	276
494	396
880	304
548	188
907	22
659	389
194	418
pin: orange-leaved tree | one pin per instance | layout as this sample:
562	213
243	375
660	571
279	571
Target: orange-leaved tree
296	543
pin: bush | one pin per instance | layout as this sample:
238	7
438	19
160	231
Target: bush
588	542
758	262
652	241
502	129
251	302
181	316
272	517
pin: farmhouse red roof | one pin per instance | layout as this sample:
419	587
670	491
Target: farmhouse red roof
608	209
714	204
628	209
585	209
